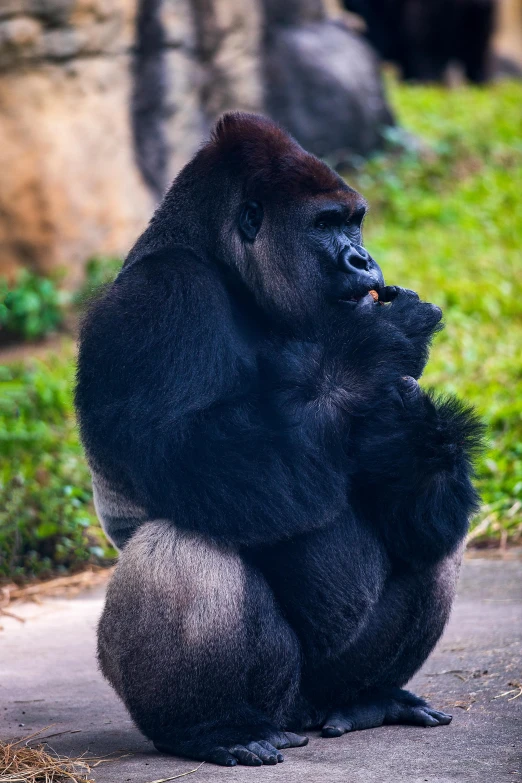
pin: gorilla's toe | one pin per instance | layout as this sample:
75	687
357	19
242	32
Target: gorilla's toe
334	731
386	706
293	740
246	756
265	751
220	756
250	753
353	718
425	716
254	754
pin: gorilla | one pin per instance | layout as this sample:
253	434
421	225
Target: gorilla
424	36
289	504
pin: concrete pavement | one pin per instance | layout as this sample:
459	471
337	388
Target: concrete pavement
48	675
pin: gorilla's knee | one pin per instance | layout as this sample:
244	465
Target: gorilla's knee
184	589
185	618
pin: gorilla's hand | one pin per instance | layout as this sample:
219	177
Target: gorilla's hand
404	313
417	430
411	470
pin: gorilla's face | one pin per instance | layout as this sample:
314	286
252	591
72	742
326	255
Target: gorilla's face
317	247
334	231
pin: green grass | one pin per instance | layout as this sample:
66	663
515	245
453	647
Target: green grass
47	521
447	222
445	219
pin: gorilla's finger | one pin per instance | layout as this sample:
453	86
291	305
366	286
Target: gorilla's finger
409	390
408	292
396	397
337	724
388	293
332	731
435	312
391	292
246	756
279	740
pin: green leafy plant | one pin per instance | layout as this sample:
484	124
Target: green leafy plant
31	307
47	521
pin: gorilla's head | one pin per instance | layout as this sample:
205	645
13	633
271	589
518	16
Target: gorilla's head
253	200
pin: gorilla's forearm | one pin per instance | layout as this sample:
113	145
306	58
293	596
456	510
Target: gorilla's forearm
413	473
345	369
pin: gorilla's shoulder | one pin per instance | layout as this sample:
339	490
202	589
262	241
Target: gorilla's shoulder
166	316
174	272
160	293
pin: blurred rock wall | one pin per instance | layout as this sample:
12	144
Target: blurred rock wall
69	185
508	36
102	102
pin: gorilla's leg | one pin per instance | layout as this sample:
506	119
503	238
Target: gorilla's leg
364	624
192	641
398	636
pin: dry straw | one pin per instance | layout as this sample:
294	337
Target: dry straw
20	763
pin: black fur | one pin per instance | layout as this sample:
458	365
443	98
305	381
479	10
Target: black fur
424	36
239	383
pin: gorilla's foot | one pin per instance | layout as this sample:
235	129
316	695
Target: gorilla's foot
265	749
380	707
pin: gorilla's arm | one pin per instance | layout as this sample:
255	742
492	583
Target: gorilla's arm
412	469
354	355
170	408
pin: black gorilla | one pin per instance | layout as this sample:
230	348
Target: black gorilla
424	36
289	503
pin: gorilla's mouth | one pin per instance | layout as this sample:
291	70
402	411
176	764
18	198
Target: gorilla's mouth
356	296
353	298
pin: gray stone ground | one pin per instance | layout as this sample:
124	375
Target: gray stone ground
48	676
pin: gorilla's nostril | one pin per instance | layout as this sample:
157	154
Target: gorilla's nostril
358	258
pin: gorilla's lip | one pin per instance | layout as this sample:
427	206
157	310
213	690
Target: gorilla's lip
358	295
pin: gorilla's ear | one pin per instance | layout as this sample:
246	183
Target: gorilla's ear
250	219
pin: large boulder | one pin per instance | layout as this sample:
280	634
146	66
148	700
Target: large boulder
69	187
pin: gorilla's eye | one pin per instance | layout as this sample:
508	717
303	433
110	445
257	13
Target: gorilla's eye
322	225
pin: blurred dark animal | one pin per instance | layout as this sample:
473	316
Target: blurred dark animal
290	504
424	36
322	81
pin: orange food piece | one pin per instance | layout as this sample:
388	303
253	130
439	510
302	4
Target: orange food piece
374	295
